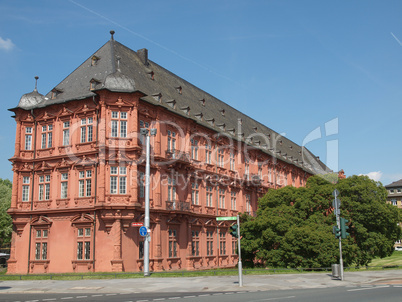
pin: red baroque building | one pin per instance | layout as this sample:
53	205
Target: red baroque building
79	168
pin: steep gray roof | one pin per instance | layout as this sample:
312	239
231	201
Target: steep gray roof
135	72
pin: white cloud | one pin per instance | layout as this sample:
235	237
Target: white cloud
6	44
376	176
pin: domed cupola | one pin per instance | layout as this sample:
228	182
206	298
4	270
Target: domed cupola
32	99
118	81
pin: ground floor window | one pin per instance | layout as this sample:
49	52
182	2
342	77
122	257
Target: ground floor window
172	243
41	236
195	243
210	243
222	243
83	243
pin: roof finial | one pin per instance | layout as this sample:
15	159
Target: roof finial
118	63
36	83
112	33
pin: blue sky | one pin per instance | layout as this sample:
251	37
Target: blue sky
326	73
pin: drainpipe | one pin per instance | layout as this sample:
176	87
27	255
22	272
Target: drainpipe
96	185
32	189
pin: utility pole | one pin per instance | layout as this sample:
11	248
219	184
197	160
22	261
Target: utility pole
144	131
239	264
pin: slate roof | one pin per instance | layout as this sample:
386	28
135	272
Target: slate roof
395	184
119	68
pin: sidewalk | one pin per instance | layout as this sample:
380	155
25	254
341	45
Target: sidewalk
206	284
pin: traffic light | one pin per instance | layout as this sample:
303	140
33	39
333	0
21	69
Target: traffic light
336	231
233	230
344	227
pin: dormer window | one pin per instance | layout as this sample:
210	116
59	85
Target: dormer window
255	129
211	121
94	60
179	89
202	102
199	115
94	84
56	92
186	109
222	112
171	103
151	75
157	97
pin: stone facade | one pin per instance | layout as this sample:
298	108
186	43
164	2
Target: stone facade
79	168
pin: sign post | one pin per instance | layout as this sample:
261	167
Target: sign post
239	264
337	204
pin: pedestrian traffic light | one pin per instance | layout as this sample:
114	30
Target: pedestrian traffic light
336	231
233	230
344	227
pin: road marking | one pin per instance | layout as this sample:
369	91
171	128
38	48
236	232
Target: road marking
174	298
188	297
50	299
111	294
97	295
80	297
272	299
66	298
366	288
205	295
159	299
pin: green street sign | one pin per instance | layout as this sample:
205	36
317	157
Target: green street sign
226	218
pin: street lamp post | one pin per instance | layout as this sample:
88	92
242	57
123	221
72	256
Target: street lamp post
145	132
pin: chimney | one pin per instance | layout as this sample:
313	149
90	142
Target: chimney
143	55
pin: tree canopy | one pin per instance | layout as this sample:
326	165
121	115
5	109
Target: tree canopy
293	226
5	219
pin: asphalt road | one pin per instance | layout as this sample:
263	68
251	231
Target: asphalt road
386	293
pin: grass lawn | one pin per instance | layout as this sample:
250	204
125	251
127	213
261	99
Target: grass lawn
394	259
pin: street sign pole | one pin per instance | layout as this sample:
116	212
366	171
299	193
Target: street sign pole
146	219
239	248
337	205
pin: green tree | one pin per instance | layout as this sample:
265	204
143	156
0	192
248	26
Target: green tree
293	227
5	219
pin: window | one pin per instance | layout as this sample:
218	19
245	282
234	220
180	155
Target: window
171	141
119	124
195	243
234	245
44	187
25	188
84	243
210	243
194	149
64	185
221	157
66	133
143	125
85	183
246	169
233	200
248	202
47	136
118	180
141	183
86	130
222	198
28	138
209	196
194	193
172	243
222	243
399	190
391	191
208	153
232	162
171	189
41	244
141	249
394	202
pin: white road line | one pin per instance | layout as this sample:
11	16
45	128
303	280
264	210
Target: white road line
159	299
50	299
66	298
80	297
188	297
204	295
366	288
174	298
111	294
96	295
